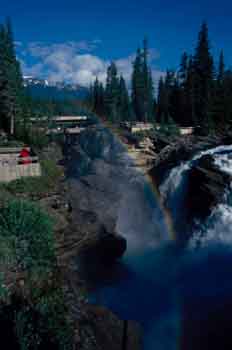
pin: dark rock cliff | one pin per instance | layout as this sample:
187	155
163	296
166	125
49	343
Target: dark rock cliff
206	187
93	168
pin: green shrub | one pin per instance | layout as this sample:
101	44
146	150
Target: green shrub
26	234
50	170
52	307
28	327
4	292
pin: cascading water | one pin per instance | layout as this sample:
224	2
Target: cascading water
174	186
171	291
217	227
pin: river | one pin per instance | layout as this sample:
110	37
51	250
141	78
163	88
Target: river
180	296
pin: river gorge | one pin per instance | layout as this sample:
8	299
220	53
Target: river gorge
174	278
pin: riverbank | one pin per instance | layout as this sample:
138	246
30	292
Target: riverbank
86	326
76	231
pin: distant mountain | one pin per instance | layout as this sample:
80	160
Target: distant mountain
44	89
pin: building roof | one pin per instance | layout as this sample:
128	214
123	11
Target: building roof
69	118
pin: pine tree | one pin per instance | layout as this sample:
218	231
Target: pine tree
11	87
150	98
183	71
162	102
203	79
190	95
90	97
221	69
176	103
101	99
97	97
147	85
112	93
142	86
138	87
168	90
227	86
124	106
219	98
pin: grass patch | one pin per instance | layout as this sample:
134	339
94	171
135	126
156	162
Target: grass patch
26	238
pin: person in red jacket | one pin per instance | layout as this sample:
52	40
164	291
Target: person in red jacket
25	155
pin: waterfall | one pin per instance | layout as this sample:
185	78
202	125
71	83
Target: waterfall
175	179
169	290
217	228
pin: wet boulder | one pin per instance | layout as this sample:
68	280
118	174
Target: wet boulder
207	185
111	246
104	246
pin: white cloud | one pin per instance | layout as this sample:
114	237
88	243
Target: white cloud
35	70
74	62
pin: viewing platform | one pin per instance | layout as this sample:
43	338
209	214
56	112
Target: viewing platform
14	167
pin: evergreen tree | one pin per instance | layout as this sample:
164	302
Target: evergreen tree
101	99
203	77
98	97
147	85
176	102
150	98
11	87
183	71
142	86
112	93
227	100
189	109
90	97
167	93
162	102
219	98
137	87
221	69
124	107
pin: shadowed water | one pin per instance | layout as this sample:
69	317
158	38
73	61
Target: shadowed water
181	296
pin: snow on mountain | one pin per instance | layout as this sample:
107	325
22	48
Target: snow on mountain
43	88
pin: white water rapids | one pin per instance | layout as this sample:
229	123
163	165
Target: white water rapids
217	227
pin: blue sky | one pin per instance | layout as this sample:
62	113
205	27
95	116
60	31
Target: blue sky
85	35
